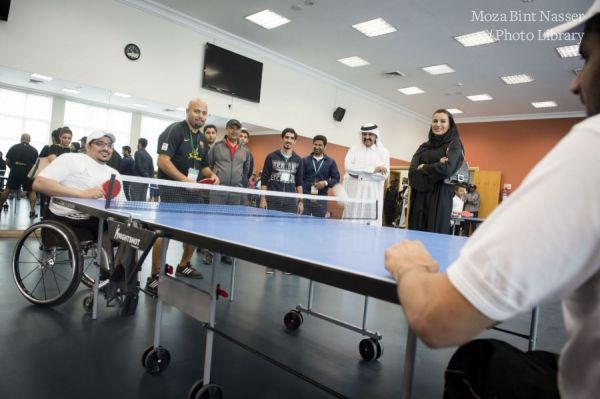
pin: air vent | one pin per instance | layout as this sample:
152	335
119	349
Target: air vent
36	81
395	73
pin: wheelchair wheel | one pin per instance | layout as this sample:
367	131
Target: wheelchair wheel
89	266
47	263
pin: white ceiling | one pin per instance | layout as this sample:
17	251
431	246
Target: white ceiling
321	33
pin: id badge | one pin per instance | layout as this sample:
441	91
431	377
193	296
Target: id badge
193	174
285	177
313	190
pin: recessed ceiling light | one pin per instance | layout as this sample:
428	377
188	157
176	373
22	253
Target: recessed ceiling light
374	27
454	111
353	61
568	51
480	97
438	69
139	105
267	19
409	91
122	95
476	39
37	76
517	79
544	104
71	91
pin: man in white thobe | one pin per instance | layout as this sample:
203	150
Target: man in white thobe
367	166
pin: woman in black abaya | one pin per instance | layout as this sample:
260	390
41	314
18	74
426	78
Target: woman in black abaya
434	161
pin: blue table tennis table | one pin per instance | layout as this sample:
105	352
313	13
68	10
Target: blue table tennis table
333	252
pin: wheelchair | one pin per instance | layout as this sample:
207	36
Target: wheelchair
50	259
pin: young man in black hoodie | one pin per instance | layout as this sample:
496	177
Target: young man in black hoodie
283	171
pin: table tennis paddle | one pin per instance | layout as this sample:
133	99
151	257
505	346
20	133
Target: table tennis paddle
115	190
208	180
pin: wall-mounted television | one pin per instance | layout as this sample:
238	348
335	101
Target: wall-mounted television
4	8
232	74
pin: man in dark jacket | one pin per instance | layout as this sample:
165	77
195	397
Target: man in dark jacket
20	158
283	171
320	173
126	168
143	167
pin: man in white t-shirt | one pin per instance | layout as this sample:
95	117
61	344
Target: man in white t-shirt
80	175
508	267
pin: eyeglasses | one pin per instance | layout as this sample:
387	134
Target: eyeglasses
102	144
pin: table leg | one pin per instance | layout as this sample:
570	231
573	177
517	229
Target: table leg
211	323
98	264
409	364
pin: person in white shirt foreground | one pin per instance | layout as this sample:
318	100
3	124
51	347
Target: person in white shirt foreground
508	267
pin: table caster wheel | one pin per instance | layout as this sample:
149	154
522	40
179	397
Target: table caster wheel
201	391
156	360
88	303
293	319
370	349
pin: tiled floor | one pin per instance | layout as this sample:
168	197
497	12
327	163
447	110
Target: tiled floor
60	353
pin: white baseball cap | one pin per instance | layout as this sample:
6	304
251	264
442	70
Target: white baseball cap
98	134
567	26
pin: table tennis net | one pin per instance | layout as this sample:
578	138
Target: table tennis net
182	197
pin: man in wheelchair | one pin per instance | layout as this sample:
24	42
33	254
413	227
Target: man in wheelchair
81	175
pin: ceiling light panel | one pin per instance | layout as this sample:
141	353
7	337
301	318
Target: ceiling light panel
544	104
374	27
517	79
476	39
139	105
353	61
409	91
454	111
122	95
267	19
438	69
71	91
480	97
568	51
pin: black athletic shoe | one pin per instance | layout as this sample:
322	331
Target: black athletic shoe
188	271
152	285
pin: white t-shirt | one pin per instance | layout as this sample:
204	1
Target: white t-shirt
520	256
457	204
78	171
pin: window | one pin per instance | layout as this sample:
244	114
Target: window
24	113
150	129
82	119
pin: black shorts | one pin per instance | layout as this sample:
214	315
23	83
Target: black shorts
17	181
85	229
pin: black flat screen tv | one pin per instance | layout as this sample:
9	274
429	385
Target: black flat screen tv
232	74
4	8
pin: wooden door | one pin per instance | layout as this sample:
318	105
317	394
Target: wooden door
488	186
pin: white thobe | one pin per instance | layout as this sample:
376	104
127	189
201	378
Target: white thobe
360	182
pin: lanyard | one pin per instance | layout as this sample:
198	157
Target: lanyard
320	163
